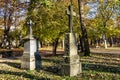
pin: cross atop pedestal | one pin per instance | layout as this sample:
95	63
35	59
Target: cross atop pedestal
30	26
70	14
71	65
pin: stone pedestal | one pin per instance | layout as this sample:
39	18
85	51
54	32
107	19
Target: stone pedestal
71	65
28	58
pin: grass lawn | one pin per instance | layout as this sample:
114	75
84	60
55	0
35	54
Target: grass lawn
95	67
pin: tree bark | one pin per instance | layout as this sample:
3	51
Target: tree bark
83	29
55	45
81	44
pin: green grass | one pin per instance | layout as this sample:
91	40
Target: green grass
94	67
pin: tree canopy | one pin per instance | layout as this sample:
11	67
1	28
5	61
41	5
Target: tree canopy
50	21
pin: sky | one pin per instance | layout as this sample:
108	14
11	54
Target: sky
22	1
93	11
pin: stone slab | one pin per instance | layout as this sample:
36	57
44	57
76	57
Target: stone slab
71	69
71	59
28	65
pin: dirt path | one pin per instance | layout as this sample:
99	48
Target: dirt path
108	50
46	52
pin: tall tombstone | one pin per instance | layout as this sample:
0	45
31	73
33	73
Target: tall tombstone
28	58
30	49
71	65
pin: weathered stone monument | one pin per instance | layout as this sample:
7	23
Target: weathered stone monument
71	65
28	58
30	48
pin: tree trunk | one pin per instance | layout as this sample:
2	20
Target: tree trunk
81	43
7	22
111	42
41	44
104	35
55	45
83	29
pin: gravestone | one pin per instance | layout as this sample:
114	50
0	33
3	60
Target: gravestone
28	58
31	58
71	65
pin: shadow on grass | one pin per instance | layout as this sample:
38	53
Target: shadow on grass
13	64
103	63
52	60
101	68
52	69
23	74
49	53
55	70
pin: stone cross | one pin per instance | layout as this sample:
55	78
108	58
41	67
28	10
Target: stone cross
20	35
30	26
71	65
70	14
